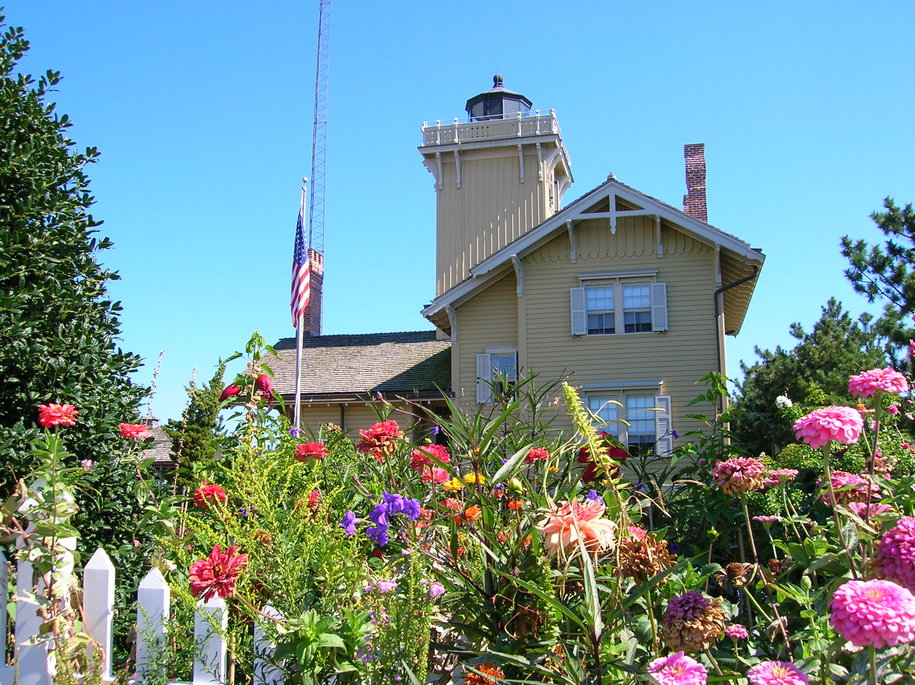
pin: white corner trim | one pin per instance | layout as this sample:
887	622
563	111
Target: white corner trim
453	320
457	167
521	162
519	275
573	241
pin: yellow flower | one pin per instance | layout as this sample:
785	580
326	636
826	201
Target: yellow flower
453	485
474	478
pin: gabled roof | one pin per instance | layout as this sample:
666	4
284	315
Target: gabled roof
738	259
160	450
411	364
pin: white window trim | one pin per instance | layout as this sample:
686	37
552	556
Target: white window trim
578	301
619	391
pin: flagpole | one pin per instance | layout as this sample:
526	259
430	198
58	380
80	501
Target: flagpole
297	412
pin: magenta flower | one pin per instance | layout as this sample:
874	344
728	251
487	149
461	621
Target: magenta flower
867	383
818	428
776	673
873	612
860	508
265	384
895	556
229	391
848	487
436	589
677	669
736	632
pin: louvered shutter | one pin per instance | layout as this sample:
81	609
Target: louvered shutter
662	426
484	378
659	306
579	311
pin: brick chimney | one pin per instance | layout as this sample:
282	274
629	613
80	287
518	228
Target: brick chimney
312	318
694	200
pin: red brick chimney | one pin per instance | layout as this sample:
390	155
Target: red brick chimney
694	200
312	319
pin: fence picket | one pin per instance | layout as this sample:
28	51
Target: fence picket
98	607
7	673
211	619
266	671
31	659
153	599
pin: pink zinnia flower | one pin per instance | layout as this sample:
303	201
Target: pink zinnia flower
420	457
50	415
536	454
895	556
134	431
739	475
434	475
736	632
229	391
873	612
774	476
310	451
217	573
767	520
893	409
776	673
380	440
571	521
207	493
677	669
818	428
848	487
860	508
867	383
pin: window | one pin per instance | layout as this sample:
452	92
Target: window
618	305
640	421
497	373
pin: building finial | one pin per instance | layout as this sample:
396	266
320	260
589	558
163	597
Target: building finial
497	81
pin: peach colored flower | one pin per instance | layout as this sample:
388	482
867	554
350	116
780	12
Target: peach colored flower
50	415
134	431
570	521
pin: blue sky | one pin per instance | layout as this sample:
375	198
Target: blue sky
202	112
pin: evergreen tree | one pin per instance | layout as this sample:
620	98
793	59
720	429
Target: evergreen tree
886	272
814	372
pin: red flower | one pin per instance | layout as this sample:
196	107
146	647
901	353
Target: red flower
313	451
536	454
50	415
217	573
208	492
314	499
420	457
134	431
610	448
380	440
434	475
265	384
229	391
516	504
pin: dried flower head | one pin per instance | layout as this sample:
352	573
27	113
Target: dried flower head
818	428
692	622
739	475
642	556
737	572
876	380
894	558
873	612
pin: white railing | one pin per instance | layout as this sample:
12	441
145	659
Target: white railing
518	126
34	664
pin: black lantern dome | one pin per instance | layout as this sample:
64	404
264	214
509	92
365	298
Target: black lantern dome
497	103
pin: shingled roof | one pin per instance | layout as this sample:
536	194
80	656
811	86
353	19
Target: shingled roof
410	364
160	450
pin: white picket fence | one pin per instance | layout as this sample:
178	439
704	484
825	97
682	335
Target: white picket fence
34	665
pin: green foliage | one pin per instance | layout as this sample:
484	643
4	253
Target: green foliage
197	437
814	373
885	272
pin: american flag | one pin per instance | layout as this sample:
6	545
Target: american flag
301	273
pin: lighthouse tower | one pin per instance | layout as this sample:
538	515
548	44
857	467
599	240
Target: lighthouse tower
497	175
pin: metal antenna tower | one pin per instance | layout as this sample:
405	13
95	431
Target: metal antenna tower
319	133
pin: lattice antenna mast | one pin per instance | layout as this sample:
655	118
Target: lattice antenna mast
319	133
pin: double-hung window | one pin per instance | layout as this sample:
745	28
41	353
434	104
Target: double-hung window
633	415
606	304
497	373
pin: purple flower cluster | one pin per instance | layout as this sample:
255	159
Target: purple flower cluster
685	607
391	504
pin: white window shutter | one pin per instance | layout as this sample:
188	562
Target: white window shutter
579	312
659	306
484	378
664	440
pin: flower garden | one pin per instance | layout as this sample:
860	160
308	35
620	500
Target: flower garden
492	549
